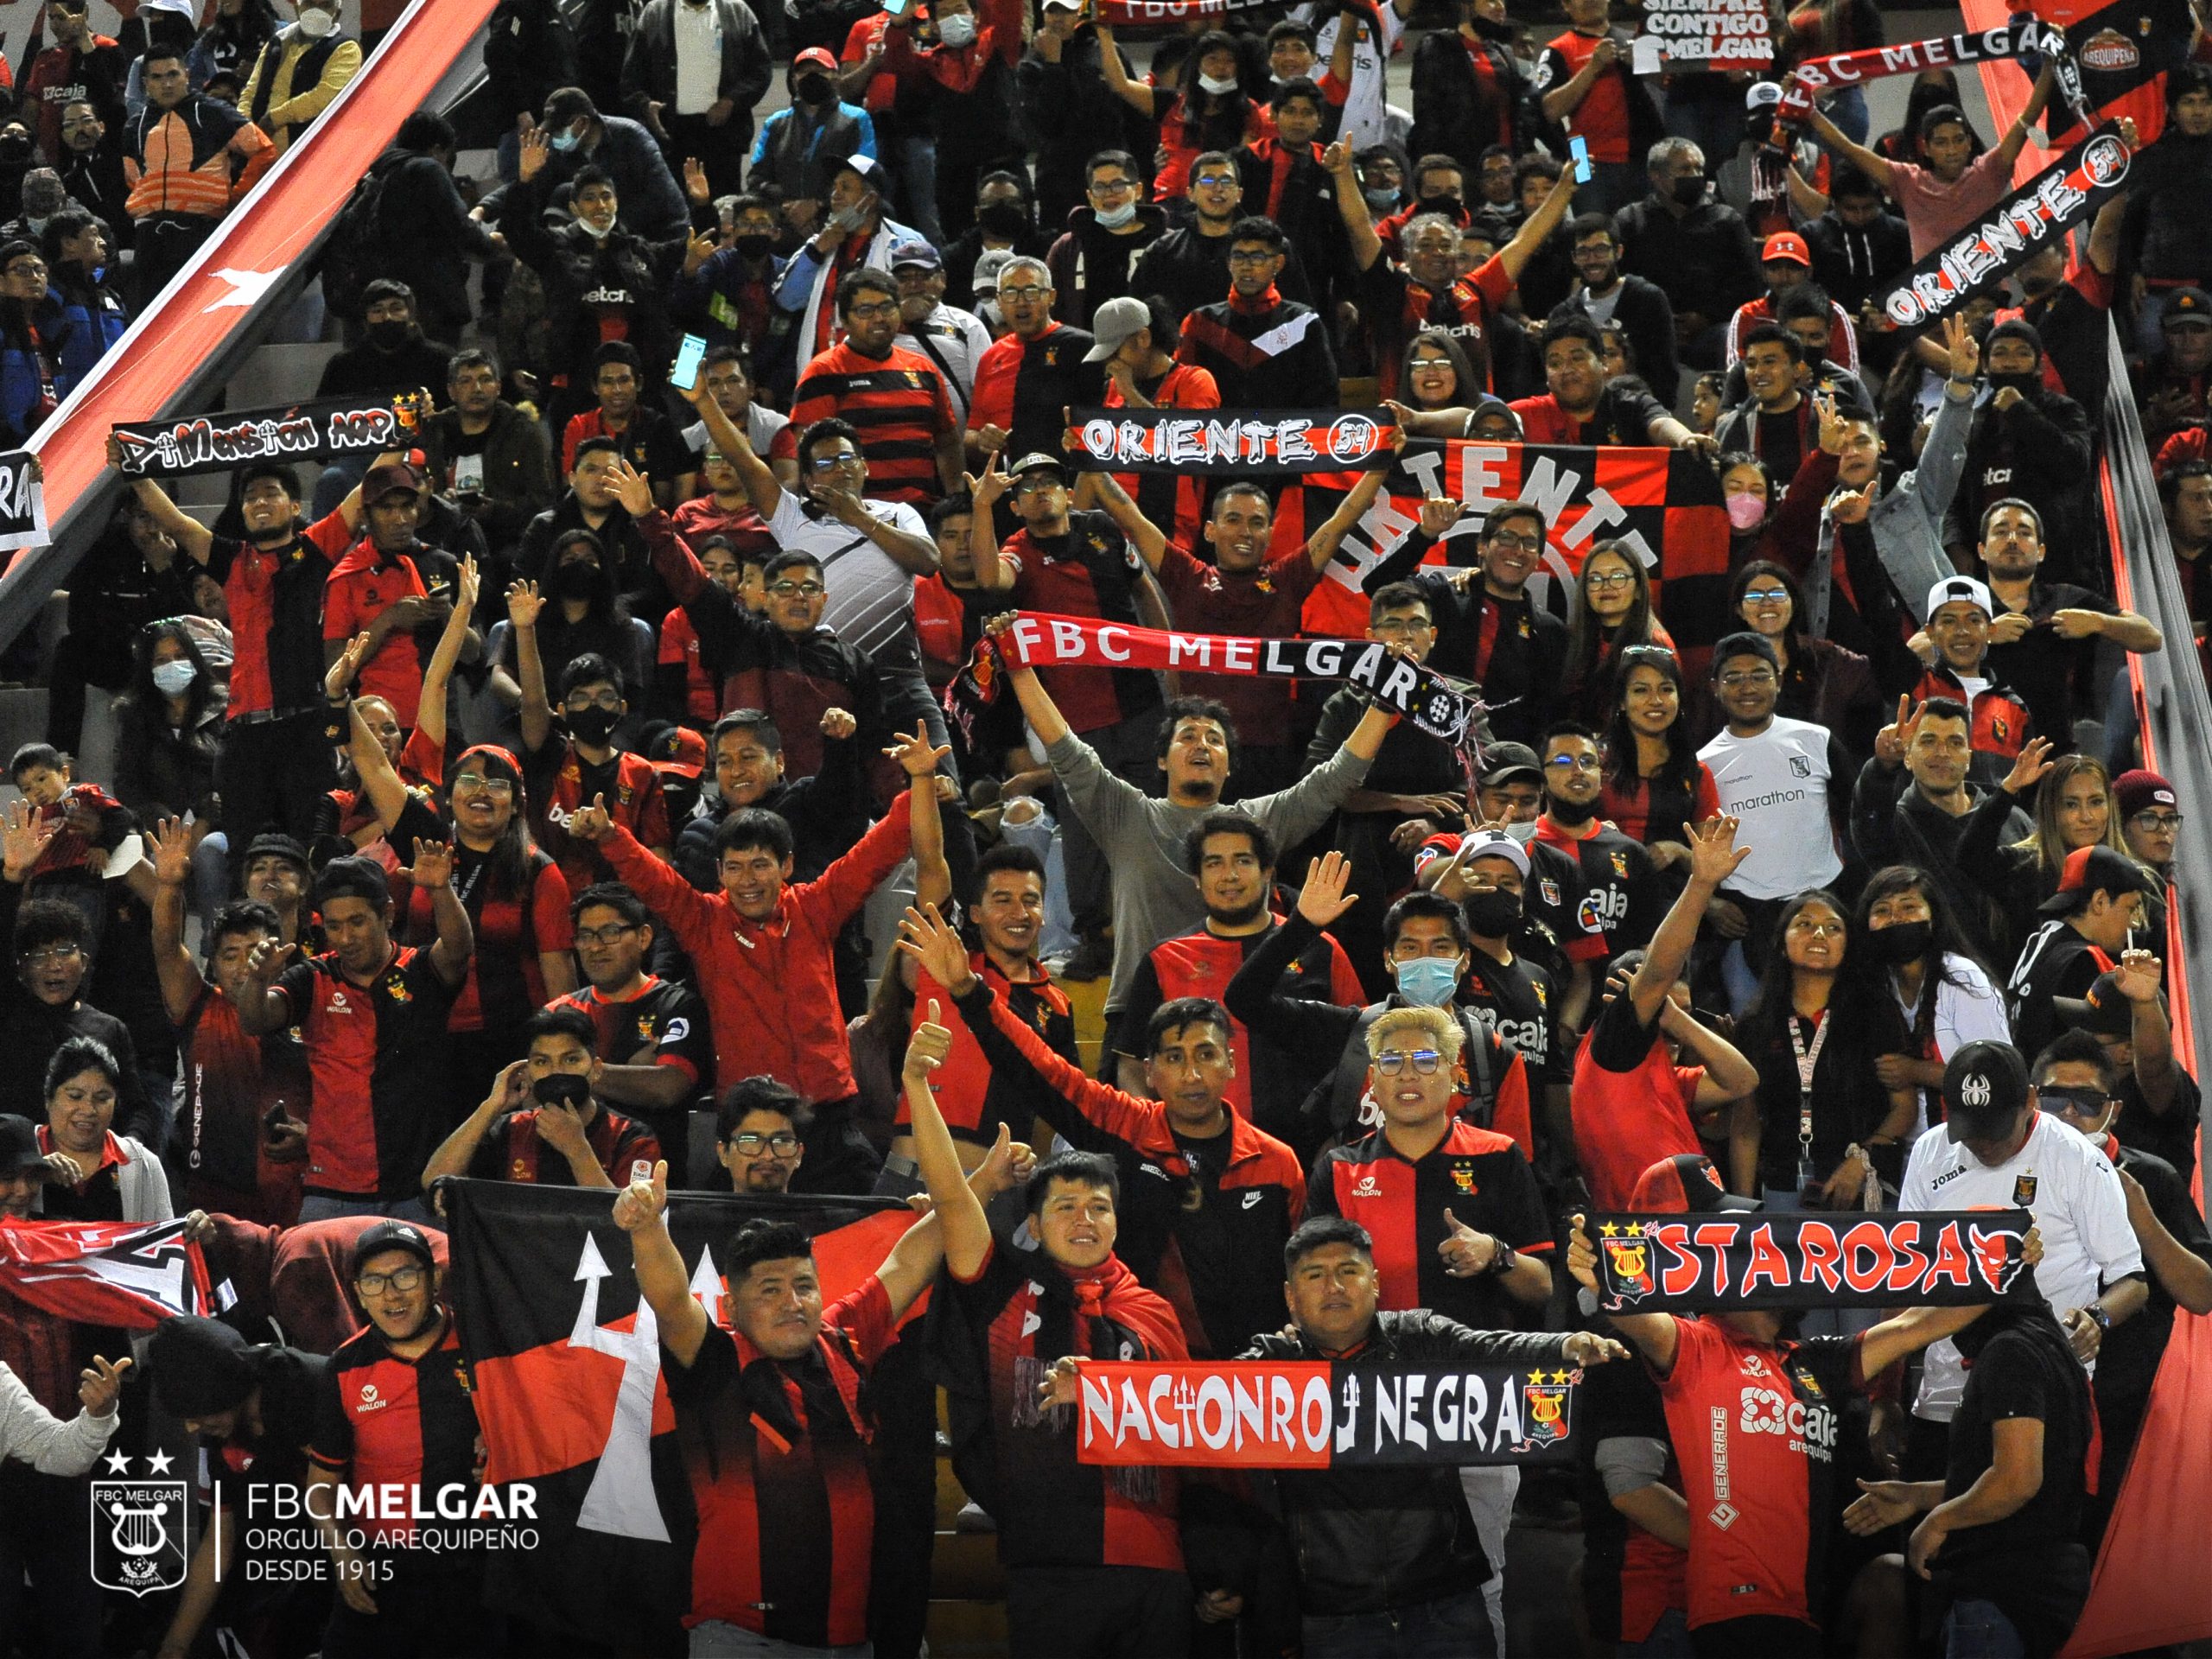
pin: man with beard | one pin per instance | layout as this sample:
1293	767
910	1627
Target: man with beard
643	436
2026	441
1234	861
649	1034
80	67
276	761
976	1099
393	355
757	1135
543	1121
254	1410
395	1418
1621	897
90	164
393	588
2039	631
1637	307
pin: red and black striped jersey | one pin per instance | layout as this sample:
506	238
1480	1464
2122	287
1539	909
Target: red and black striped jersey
1481	1177
974	1099
899	404
231	1081
1090	571
778	1457
666	1018
379	1061
513	1150
381	1421
1756	1424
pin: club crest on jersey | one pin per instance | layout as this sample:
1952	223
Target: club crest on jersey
1548	1400
396	989
1463	1177
1620	865
1550	889
2024	1192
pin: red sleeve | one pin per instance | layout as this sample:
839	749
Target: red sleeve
340	620
571	436
1708	794
1197	389
690	912
1796	521
650	811
784	445
675	635
844	887
1336	91
1694	1342
864	1316
425	759
1493	281
1512	1117
1687	1079
1127	1118
551	924
675	563
331	535
1345	988
809	402
992	402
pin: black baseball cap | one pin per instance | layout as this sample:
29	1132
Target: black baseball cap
18	1145
1503	762
272	842
2090	871
2186	307
1039	461
393	1236
1985	1085
2102	1011
1686	1184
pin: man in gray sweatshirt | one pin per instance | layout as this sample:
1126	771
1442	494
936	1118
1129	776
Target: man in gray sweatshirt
1155	896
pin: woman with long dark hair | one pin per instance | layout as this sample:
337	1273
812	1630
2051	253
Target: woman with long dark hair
1820	681
1440	372
169	726
1655	786
584	613
2070	802
1824	1123
1612	611
1907	950
1203	108
515	897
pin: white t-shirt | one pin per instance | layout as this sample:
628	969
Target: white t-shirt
1968	1009
871	602
1365	117
698	58
1777	784
2070	1188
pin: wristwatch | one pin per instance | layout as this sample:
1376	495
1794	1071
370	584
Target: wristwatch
1502	1260
2101	1314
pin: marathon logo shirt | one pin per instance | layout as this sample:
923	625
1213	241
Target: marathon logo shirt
1755	1428
1262	1414
1649	1264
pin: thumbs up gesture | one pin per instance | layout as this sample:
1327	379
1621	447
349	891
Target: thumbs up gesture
1467	1253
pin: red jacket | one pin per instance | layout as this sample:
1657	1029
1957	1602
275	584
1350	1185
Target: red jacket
771	990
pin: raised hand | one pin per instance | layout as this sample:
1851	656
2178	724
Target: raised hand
1581	1253
2135	975
1894	739
536	150
640	1203
1833	429
1337	159
698	248
470	585
2028	770
432	864
925	935
1714	855
1007	1165
523	604
169	843
995	482
100	1385
1851	507
631	488
1322	899
1438	514
696	189
926	1050
24	833
1958	341
1586	1348
511	1086
269	960
917	756
348	668
592	823
837	723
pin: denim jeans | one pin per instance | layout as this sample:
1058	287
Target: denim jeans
1975	1629
1455	1627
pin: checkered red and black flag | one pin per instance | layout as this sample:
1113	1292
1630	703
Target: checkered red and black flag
566	1366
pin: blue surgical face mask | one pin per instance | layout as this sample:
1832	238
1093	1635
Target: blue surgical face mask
567	139
174	677
1429	982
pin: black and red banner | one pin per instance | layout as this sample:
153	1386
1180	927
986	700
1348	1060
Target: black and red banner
1721	1263
1437	705
1312	1415
2034	217
1817	77
294	432
566	1362
1248	442
129	1274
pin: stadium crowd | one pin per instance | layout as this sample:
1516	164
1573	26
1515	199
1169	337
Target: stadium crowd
630	786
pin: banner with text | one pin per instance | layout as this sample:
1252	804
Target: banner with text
215	443
1246	443
2038	214
1697	34
1310	1414
23	502
1438	706
131	1273
1703	1264
1817	77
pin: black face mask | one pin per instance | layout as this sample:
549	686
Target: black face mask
561	1088
755	245
1900	943
1002	218
815	89
1492	913
1690	191
1570	813
389	336
15	147
593	726
578	581
1450	206
2025	384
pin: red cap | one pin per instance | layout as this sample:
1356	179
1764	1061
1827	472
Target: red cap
820	57
1786	245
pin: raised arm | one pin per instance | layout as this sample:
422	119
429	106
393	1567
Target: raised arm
1538	227
1150	541
1352	206
1321	546
1566	98
187	531
524	604
1873	166
1713	858
379	781
1135	93
2015	135
1037	705
170	845
966	1233
993	575
760	485
458	1150
430	712
640	1212
456	940
1652	1335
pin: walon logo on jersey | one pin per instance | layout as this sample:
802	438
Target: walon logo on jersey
137	1541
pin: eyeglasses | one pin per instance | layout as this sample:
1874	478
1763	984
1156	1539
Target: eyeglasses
1738	682
1515	538
2158	823
1423	1060
1215	180
797	589
783	1142
1252	255
1765	596
32	268
867	313
478	780
373	1284
2085	1101
1617	579
831	463
609	701
1112	187
1575	762
65	952
1024	295
1403	625
611	934
1037	485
